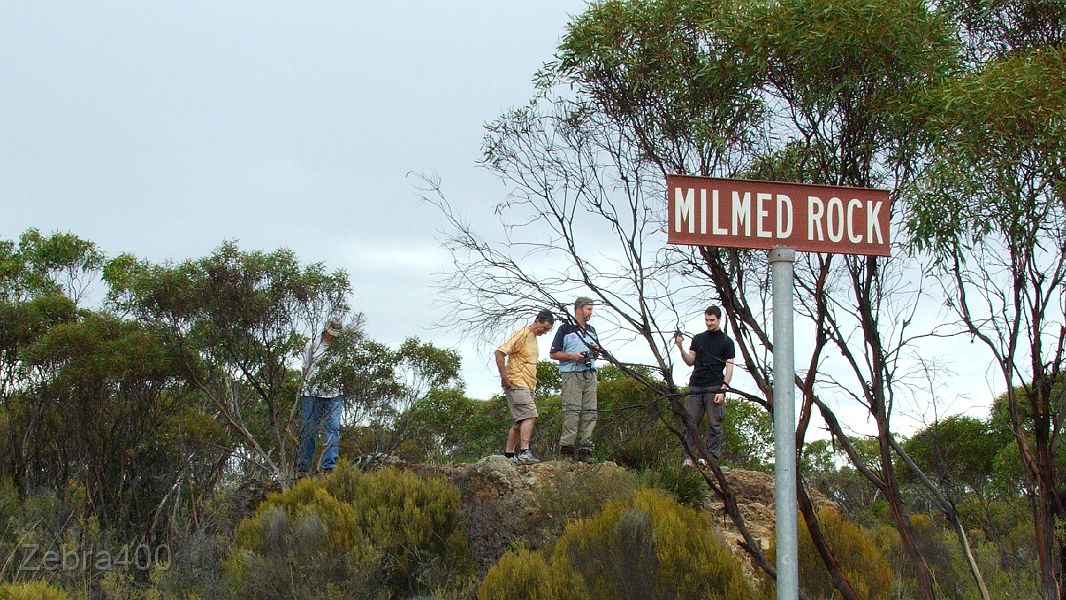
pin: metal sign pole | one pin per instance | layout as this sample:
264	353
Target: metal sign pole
782	261
783	218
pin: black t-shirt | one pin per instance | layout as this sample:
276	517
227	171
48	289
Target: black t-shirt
713	349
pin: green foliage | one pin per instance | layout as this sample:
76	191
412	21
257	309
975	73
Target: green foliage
646	546
521	575
450	426
31	590
749	436
997	28
860	559
362	534
58	264
818	457
841	67
414	522
63	523
660	67
958	453
998	136
238	320
629	430
549	380
107	397
685	484
649	547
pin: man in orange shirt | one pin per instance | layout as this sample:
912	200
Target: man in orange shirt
518	376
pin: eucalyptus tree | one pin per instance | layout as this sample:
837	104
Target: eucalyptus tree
42	278
836	74
990	29
990	212
38	265
238	320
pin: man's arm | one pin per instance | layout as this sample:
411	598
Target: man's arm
500	366
560	355
308	351
720	396
686	355
556	352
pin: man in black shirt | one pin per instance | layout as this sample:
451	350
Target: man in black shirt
712	353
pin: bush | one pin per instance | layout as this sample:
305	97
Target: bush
353	534
647	546
685	484
195	569
413	522
860	559
519	575
31	590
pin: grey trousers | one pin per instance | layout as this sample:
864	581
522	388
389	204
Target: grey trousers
579	409
700	402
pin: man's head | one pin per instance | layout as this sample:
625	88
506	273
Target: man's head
712	317
543	323
333	329
583	308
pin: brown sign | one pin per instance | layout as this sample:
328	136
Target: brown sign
737	213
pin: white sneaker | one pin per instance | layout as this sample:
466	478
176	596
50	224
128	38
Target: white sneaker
701	462
525	457
687	463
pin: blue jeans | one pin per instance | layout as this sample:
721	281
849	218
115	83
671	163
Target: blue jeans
316	411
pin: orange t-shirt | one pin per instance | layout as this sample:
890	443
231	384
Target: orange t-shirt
522	356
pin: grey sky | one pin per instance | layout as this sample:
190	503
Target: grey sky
164	128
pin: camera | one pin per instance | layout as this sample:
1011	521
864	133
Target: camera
587	357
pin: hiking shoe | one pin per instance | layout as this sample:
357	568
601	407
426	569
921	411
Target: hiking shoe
525	457
687	463
566	452
585	455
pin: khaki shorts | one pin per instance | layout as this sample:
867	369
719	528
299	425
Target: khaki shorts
520	401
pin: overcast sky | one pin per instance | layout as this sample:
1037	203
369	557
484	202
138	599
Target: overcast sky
164	128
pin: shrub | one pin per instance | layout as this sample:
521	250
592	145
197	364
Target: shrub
685	484
353	534
413	522
31	590
861	561
651	547
300	543
519	575
647	546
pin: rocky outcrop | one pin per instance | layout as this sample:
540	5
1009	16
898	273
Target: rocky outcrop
501	504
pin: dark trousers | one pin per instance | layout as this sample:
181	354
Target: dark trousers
701	402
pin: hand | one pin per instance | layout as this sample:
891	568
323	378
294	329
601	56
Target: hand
719	398
679	340
505	382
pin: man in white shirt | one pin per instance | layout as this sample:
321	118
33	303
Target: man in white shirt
322	403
